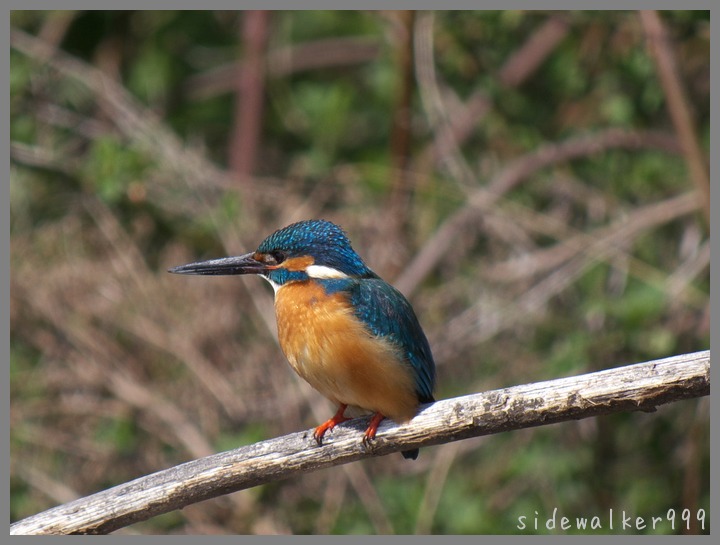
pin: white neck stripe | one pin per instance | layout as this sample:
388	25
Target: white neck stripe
323	272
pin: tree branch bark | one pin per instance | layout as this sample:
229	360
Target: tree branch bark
642	386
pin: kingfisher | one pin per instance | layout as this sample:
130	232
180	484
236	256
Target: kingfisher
352	336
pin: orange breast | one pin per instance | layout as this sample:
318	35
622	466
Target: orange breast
333	351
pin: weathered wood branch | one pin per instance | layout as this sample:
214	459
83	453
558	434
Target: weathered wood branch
641	386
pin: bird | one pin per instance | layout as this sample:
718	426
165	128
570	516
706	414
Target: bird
352	336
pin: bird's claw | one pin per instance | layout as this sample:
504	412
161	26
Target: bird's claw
330	424
371	430
368	440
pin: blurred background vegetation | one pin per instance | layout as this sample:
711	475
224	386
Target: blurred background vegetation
523	177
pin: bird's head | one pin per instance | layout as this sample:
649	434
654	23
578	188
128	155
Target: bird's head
307	249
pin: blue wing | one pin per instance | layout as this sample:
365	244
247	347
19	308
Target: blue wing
387	313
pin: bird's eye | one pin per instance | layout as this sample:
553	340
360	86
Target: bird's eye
275	257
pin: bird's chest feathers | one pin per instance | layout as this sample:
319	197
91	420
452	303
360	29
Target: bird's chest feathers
314	327
330	348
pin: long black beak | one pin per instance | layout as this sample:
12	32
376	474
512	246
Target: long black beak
242	264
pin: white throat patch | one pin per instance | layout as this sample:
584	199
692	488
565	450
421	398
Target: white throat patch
274	285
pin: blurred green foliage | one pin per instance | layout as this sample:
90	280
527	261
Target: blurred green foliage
99	210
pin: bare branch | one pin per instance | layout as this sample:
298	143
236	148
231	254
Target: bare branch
610	238
249	95
286	61
678	104
642	386
139	124
526	60
509	177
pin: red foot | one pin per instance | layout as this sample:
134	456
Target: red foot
330	424
372	428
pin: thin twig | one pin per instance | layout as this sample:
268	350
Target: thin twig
287	61
520	66
678	104
516	171
401	129
602	243
528	58
139	124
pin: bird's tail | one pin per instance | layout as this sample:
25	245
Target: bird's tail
411	454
